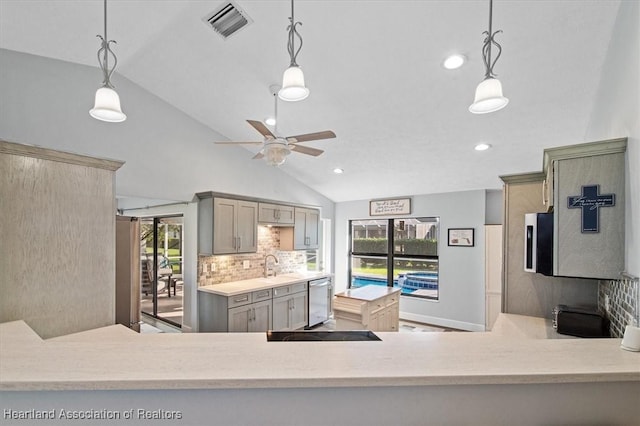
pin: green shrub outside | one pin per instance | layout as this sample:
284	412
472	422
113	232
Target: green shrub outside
412	246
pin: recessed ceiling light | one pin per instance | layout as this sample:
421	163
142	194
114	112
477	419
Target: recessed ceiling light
482	147
270	121
454	61
338	170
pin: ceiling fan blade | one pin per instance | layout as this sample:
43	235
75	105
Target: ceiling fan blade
260	127
306	150
327	134
236	143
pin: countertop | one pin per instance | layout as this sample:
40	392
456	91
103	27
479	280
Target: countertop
113	358
255	284
368	292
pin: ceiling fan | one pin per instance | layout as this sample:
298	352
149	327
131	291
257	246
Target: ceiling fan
276	148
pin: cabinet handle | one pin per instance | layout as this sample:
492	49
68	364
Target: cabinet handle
544	192
239	243
244	299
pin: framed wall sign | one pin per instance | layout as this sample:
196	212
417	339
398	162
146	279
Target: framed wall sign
393	206
462	237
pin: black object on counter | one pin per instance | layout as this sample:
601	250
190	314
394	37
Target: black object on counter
321	336
580	322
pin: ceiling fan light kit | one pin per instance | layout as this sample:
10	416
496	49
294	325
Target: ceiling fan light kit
275	153
293	88
107	102
489	97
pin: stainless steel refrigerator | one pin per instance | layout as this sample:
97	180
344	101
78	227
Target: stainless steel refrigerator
128	272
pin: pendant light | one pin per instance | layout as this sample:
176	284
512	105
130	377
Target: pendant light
107	102
489	96
293	88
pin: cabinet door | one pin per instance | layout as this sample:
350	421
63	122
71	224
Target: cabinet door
239	319
312	228
392	317
591	253
275	213
224	226
299	311
281	316
306	229
260	316
247	227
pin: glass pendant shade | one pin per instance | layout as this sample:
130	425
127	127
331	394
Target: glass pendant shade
275	154
293	88
107	106
488	97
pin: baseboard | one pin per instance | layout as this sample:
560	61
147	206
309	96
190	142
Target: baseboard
186	329
442	322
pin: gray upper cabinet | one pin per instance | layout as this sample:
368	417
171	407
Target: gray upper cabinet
307	228
275	214
227	226
235	226
587	192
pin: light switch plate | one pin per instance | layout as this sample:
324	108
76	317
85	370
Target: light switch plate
246	264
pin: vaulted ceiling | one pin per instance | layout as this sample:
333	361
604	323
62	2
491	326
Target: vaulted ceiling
375	73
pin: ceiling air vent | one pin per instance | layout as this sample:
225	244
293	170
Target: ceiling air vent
228	19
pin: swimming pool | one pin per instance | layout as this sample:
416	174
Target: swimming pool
410	283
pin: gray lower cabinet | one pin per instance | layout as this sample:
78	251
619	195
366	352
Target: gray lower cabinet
281	308
290	307
254	317
244	312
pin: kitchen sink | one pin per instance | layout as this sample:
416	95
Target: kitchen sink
321	336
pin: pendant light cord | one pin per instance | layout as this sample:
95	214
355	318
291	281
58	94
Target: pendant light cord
105	49
486	48
293	32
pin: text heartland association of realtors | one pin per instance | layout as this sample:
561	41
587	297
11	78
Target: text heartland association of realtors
141	414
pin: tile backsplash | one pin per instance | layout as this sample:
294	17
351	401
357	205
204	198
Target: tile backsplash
224	268
619	299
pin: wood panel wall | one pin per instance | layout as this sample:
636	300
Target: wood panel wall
57	251
526	293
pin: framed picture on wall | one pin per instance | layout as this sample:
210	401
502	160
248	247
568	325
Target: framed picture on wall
460	237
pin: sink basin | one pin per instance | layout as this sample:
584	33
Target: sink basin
321	336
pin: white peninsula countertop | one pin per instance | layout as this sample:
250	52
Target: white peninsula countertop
511	376
109	358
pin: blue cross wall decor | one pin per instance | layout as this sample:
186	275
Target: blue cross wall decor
590	202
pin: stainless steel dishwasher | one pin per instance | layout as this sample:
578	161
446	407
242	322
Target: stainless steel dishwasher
320	294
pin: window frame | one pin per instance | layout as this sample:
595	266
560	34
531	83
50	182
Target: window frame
391	256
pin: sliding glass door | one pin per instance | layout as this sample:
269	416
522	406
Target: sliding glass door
161	240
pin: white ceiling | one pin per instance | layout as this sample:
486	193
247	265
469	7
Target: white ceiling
375	75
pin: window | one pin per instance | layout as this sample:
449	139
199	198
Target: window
396	252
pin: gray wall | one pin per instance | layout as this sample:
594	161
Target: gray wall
461	303
46	102
616	114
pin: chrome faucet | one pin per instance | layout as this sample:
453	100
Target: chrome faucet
266	268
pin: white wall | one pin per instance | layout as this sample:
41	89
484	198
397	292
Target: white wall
616	113
168	155
461	302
